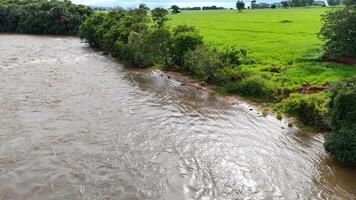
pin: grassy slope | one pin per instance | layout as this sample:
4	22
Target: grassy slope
281	38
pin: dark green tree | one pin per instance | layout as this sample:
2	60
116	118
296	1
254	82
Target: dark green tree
285	4
143	6
240	5
338	31
334	2
341	142
175	9
159	16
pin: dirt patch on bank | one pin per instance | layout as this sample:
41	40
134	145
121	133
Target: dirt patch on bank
342	60
309	89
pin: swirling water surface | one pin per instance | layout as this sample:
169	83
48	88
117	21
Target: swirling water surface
76	124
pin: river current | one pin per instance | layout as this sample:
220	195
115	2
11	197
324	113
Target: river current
77	124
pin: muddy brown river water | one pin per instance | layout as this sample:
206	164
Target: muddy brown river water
76	124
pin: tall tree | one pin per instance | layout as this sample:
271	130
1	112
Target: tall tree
338	31
159	16
175	9
240	5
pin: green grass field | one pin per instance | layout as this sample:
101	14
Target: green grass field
283	42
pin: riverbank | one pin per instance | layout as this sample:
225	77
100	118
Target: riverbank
262	109
143	38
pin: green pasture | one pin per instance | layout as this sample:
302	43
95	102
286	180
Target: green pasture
282	42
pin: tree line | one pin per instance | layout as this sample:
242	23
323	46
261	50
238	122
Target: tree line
144	39
42	16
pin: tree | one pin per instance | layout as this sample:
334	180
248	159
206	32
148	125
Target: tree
143	6
253	4
240	5
159	16
42	17
341	142
338	31
185	38
285	4
334	2
175	9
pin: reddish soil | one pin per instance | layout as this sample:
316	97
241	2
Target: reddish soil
308	89
343	60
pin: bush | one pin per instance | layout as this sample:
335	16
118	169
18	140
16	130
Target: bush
253	86
341	144
42	17
310	110
202	63
89	27
338	32
185	38
209	64
342	105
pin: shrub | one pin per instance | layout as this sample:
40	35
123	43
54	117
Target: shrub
307	109
159	16
89	27
202	63
341	144
42	17
338	32
209	64
253	86
185	38
342	105
334	2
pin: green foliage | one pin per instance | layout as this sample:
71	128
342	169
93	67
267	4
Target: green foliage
42	17
285	4
240	5
129	35
338	32
143	6
341	144
254	86
350	3
159	16
89	28
209	64
342	105
301	3
175	9
185	38
310	110
334	2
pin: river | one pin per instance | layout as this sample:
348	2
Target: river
76	124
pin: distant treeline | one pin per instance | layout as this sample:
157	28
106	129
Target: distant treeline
42	16
204	8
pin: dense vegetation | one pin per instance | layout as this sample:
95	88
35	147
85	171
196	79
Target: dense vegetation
338	31
145	40
341	141
41	16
